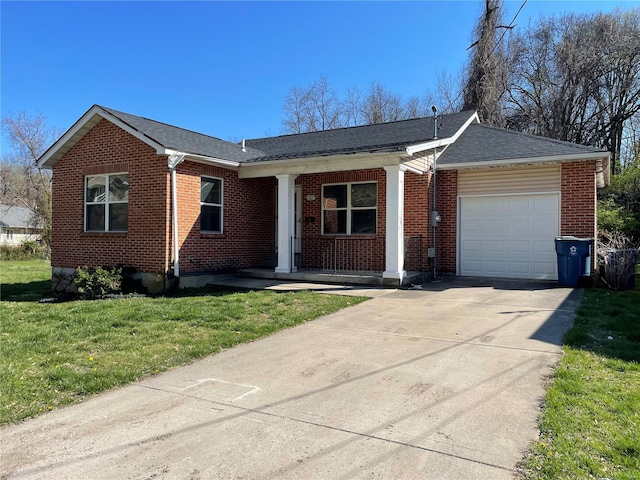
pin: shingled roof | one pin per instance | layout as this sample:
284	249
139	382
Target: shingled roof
382	137
180	139
17	217
484	143
474	144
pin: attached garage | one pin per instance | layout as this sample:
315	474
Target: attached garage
508	218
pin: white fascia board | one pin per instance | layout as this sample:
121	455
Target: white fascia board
413	149
324	164
202	159
47	159
518	161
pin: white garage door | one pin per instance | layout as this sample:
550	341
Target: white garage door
509	236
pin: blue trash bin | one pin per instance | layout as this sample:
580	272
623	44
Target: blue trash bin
574	259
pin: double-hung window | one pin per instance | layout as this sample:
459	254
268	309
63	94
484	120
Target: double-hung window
106	201
350	208
211	205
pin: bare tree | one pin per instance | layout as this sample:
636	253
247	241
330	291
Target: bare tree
294	110
577	78
381	105
312	109
486	73
351	107
318	107
21	181
449	93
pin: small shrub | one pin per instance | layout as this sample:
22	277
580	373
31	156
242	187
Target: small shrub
96	282
29	250
618	256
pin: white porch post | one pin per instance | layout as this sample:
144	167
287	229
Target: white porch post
286	221
394	258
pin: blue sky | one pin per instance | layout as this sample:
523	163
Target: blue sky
224	68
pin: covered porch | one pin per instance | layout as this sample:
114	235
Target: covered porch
377	253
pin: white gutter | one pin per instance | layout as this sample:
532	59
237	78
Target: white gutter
516	161
202	158
172	162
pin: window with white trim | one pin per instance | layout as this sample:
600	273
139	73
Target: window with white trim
350	208
106	202
211	205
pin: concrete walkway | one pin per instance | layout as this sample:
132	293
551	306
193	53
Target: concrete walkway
444	382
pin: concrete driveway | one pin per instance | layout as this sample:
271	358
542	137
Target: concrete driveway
444	382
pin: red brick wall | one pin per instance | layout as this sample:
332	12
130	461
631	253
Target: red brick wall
447	206
248	238
365	249
109	149
578	197
417	220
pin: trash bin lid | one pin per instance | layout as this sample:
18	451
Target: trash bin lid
571	238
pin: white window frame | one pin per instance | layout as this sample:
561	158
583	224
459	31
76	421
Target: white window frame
107	202
221	204
349	208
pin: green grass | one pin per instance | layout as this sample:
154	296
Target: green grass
590	426
24	280
58	354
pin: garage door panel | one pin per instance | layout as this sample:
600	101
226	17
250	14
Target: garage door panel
519	226
473	225
472	245
518	246
545	269
509	236
546	205
519	268
542	246
543	226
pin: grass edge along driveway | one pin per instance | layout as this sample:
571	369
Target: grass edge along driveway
58	354
590	425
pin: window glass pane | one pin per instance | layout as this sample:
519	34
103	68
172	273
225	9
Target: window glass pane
363	221
119	216
119	188
95	218
335	221
95	189
210	218
334	196
211	190
364	195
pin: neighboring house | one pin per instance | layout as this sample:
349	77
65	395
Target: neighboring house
172	203
17	225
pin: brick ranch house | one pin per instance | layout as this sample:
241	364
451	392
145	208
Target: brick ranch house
174	204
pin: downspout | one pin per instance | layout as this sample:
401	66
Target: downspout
173	161
435	218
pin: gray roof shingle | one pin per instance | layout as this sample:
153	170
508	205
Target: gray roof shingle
17	217
392	136
483	143
478	143
183	140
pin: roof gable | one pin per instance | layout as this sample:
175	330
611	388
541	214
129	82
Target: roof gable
164	138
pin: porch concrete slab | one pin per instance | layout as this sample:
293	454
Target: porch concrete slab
243	283
432	383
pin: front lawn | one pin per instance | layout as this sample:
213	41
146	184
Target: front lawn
57	354
590	427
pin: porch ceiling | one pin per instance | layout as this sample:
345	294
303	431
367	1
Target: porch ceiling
333	163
